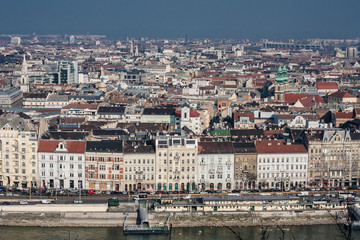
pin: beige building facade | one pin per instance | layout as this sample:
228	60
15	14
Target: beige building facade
333	158
176	163
18	152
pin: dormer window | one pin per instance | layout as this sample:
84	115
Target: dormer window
61	146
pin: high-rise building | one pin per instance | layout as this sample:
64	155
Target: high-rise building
72	39
68	72
351	52
15	40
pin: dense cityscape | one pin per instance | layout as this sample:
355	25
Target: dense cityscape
186	125
82	111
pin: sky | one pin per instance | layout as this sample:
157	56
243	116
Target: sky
239	19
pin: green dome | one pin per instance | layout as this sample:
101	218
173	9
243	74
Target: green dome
281	77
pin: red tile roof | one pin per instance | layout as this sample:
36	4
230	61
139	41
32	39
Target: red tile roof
193	113
237	115
344	114
327	85
340	94
81	106
278	146
71	146
292	98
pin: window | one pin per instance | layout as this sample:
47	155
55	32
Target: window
71	166
79	166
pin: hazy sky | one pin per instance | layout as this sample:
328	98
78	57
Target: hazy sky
272	19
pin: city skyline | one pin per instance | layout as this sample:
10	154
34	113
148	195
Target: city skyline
210	19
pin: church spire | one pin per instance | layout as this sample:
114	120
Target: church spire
24	67
24	79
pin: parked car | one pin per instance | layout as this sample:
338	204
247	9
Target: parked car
78	202
6	203
23	203
45	201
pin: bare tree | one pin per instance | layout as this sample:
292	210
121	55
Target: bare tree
282	236
264	232
237	235
343	233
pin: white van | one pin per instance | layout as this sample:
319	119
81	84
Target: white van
303	193
45	201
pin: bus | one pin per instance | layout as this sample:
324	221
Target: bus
345	195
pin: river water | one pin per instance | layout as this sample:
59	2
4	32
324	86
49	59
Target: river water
315	232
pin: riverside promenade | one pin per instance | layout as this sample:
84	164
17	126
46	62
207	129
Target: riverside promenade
97	215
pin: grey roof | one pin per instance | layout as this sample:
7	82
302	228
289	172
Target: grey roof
58	98
16	122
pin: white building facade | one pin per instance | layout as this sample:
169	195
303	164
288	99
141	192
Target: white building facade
216	166
281	165
61	164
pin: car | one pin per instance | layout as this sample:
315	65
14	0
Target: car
24	203
45	201
91	191
6	203
78	202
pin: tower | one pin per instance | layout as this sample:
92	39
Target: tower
136	50
24	79
185	113
281	84
131	48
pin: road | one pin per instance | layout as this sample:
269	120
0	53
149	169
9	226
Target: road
103	198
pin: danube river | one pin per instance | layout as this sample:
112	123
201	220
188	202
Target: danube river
316	232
